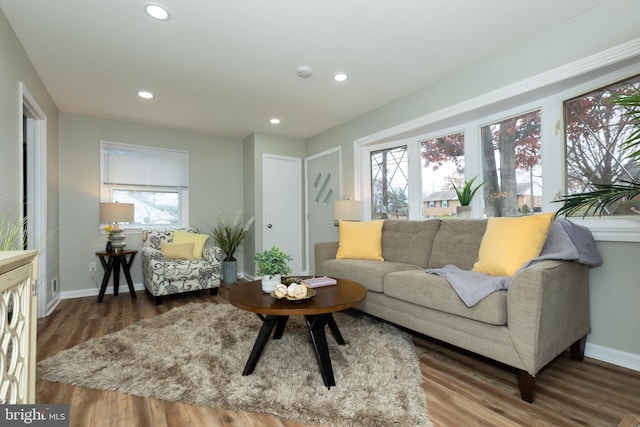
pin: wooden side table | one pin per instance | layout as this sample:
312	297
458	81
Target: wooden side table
111	262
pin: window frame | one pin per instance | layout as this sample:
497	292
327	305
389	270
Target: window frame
546	91
106	191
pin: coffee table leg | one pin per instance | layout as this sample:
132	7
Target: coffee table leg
268	324
335	330
282	323
316	326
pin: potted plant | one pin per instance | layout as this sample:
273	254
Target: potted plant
271	265
229	237
465	195
11	231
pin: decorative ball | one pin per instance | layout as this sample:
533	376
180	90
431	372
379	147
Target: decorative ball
280	291
291	289
300	292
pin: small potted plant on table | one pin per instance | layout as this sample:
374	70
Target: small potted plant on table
271	265
465	195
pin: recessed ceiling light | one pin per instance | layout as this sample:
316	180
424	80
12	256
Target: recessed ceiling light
340	77
274	121
145	94
156	11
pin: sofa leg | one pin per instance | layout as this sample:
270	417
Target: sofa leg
527	383
214	291
576	351
157	300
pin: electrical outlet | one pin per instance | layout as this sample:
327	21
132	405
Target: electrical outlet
92	267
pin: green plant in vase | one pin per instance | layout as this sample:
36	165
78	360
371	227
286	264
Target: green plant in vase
466	193
465	196
271	265
229	236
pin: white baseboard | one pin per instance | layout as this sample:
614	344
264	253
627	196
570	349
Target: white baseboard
124	289
53	304
613	356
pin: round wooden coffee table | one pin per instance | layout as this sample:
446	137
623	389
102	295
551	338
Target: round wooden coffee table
317	311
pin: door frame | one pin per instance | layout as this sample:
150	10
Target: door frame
36	183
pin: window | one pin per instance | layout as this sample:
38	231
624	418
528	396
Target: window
389	183
533	110
594	128
511	164
155	180
442	163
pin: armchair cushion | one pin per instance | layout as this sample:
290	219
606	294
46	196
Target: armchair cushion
198	241
176	250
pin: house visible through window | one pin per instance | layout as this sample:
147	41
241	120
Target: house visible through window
155	180
442	164
595	128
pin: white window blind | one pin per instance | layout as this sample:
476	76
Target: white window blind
155	180
125	164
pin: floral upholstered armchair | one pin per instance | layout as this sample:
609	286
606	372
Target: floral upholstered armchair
179	260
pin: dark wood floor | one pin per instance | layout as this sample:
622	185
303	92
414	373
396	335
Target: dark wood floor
461	389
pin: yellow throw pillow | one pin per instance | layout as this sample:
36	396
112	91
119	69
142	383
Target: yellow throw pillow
176	250
198	241
508	243
360	240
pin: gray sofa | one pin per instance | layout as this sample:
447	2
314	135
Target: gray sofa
544	312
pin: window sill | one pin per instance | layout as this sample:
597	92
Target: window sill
622	229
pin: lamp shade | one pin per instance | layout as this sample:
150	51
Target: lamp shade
349	210
116	212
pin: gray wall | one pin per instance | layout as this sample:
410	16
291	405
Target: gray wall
215	184
16	67
614	287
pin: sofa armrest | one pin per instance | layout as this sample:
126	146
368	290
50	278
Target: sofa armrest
547	310
324	251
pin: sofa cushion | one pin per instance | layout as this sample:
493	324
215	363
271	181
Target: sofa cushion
369	274
457	242
360	240
432	291
509	243
408	242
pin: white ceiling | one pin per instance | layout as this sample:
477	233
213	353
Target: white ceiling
227	66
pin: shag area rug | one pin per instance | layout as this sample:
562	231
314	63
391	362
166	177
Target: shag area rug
195	354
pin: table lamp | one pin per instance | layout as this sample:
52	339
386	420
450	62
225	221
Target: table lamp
114	213
348	210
